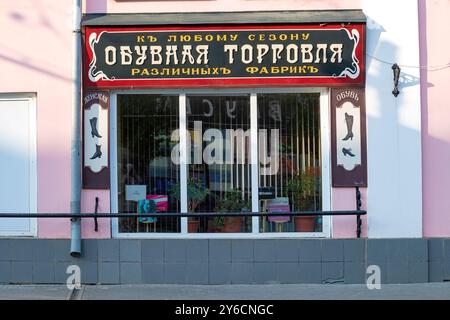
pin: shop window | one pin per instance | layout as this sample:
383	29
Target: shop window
219	170
146	174
290	160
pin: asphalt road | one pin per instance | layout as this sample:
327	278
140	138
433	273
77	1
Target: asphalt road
439	291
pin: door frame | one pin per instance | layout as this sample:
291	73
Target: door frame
252	93
32	164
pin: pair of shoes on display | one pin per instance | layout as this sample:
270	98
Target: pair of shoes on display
94	133
349	123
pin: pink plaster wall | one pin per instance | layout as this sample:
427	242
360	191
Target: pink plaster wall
345	199
435	50
35	56
124	6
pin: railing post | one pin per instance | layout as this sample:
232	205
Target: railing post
358	217
95	218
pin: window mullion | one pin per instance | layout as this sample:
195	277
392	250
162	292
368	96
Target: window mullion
326	168
254	159
183	161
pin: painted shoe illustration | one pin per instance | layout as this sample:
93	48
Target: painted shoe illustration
94	131
349	123
98	152
347	152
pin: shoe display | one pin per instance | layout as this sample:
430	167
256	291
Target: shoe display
347	152
98	152
349	122
94	131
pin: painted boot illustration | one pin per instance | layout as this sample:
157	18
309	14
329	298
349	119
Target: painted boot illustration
98	152
94	131
349	122
348	152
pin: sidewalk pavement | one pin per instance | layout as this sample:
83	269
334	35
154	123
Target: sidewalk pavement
439	291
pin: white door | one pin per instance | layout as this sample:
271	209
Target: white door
17	163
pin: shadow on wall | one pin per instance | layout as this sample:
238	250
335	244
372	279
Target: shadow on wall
373	44
385	116
33	22
44	17
374	30
35	68
43	14
390	127
408	80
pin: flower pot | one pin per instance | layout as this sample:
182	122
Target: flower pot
232	224
214	225
193	226
215	229
305	224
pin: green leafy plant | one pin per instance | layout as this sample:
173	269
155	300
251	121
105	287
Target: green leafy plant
302	188
196	192
232	202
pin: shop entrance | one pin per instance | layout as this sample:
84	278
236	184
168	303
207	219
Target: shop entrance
220	152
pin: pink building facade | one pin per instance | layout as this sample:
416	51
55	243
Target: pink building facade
407	137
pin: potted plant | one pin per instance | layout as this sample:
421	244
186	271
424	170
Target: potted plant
232	202
302	189
196	194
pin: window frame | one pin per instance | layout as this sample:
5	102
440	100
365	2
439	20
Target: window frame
253	96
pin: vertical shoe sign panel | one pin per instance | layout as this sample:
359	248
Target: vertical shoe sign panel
96	142
348	122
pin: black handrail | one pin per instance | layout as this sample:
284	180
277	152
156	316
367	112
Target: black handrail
182	215
358	212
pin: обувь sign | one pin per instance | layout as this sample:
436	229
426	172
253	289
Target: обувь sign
218	56
348	137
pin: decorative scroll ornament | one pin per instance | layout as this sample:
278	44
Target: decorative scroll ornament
93	75
348	72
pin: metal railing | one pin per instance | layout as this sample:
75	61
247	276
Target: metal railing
358	213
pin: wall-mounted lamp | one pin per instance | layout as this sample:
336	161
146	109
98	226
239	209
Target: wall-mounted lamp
396	70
